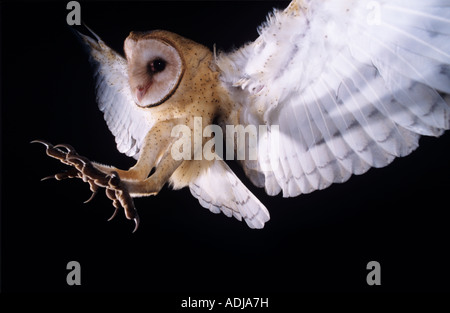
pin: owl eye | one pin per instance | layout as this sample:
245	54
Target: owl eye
156	66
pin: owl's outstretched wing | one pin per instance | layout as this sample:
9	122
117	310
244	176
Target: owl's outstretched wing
351	84
219	190
128	122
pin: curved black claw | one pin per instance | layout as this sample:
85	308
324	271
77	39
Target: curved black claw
136	220
52	151
94	188
45	143
48	177
91	197
70	173
114	214
66	146
77	160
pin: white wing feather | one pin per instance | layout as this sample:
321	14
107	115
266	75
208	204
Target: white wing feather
219	190
352	84
128	122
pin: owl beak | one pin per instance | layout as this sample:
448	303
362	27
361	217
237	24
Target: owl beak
141	91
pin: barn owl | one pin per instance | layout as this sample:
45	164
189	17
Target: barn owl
338	86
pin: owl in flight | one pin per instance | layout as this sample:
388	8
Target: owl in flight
337	86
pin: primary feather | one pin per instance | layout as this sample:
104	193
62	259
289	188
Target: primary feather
351	84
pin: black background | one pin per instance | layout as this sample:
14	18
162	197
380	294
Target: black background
322	241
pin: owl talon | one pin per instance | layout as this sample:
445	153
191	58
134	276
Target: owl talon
48	177
136	220
114	214
68	147
91	197
44	142
52	151
82	167
71	173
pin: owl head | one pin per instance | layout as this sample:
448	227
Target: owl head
163	66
